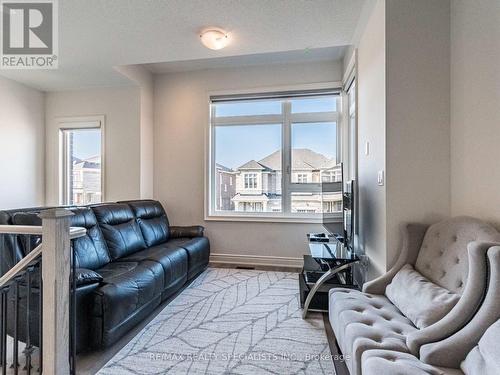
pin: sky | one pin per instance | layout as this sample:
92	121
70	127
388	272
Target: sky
236	145
86	143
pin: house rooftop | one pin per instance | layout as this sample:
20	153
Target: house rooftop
302	158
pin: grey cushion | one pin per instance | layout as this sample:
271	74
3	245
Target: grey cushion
419	299
484	359
443	257
363	321
388	362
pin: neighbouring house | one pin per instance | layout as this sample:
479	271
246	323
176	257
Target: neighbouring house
86	182
258	184
225	187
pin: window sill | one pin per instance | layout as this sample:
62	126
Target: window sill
271	219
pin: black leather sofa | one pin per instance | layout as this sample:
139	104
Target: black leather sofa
128	263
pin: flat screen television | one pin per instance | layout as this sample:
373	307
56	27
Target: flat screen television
338	202
332	198
348	213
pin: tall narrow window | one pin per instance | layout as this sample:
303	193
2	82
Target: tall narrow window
278	147
81	170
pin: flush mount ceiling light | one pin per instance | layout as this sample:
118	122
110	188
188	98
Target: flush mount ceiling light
214	38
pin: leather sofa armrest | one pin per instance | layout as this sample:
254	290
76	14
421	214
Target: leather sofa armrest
85	276
413	235
190	231
464	310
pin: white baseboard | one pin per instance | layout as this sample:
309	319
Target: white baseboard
257	260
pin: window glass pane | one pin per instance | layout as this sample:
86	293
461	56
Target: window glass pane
306	203
311	105
83	166
332	202
313	152
251	155
250	108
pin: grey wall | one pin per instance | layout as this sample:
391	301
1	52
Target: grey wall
404	113
181	123
371	128
22	142
475	109
143	78
417	115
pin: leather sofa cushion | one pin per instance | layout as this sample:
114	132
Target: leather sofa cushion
189	231
126	287
484	359
363	321
419	299
5	218
28	242
90	250
173	259
198	250
84	276
152	220
121	232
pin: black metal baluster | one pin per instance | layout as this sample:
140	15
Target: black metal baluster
2	323
28	244
15	348
1	328
3	250
29	349
4	331
40	322
72	309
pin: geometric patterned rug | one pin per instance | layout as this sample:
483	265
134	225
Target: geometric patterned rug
230	321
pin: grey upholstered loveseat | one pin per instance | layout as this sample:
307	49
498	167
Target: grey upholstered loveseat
450	256
473	350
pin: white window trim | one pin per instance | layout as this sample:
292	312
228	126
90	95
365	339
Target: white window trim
71	123
210	213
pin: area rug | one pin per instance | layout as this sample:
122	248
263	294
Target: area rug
230	321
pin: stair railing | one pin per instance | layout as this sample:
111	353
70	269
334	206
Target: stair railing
56	296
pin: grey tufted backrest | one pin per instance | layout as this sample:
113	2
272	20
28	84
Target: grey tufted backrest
443	257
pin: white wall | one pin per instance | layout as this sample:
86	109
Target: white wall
475	109
22	140
121	108
181	122
417	115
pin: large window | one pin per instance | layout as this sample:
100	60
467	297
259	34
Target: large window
278	148
81	162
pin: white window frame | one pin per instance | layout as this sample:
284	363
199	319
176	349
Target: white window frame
287	187
251	177
76	123
302	178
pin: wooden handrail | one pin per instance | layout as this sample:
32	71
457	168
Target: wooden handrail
74	232
20	266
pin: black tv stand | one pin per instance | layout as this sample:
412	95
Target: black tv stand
329	266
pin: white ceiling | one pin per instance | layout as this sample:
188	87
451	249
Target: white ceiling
287	57
95	35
